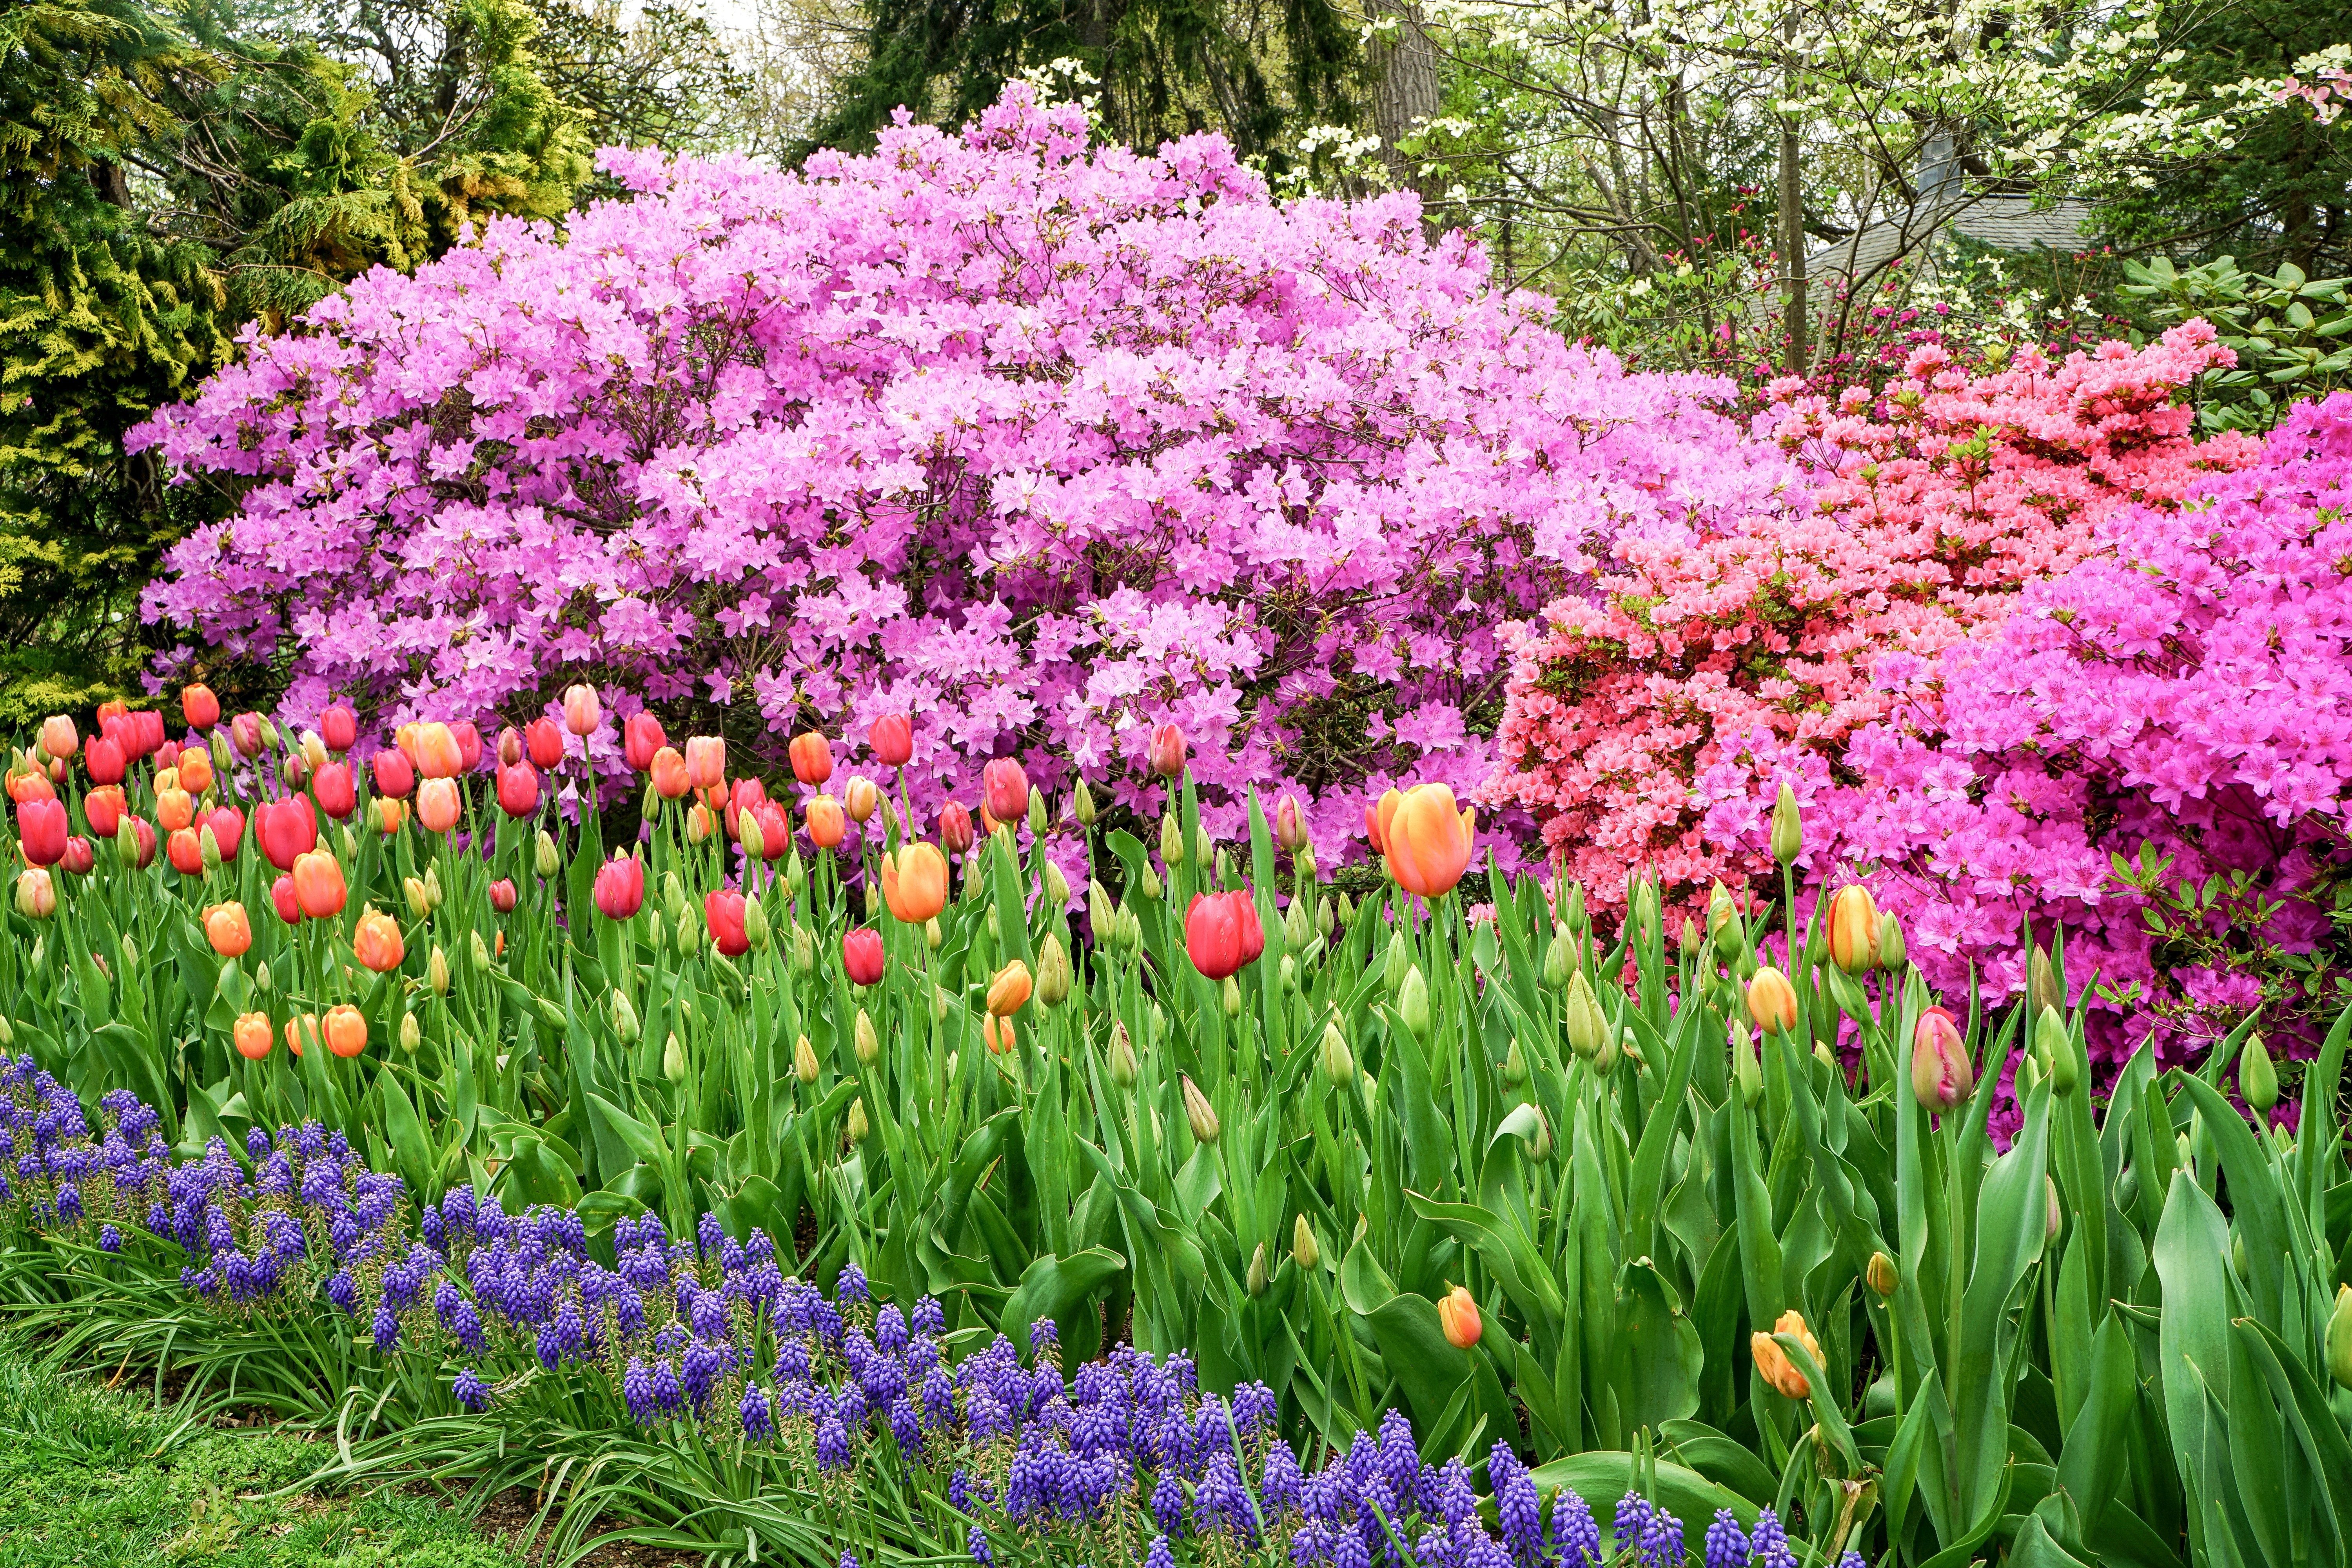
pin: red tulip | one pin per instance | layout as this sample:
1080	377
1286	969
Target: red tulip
199	707
43	826
722	911
227	824
640	737
811	758
546	742
167	756
338	797
286	830
244	733
1221	932
282	898
620	887
468	736
1167	751
80	858
185	851
502	895
892	740
1004	790
1942	1076
955	828
518	790
105	760
775	830
104	807
396	775
147	727
862	956
340	727
510	746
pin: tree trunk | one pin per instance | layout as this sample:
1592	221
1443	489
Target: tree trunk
1403	65
1795	317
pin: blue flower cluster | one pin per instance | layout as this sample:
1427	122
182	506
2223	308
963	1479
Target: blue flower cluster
1127	1456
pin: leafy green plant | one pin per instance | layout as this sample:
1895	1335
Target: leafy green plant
2288	331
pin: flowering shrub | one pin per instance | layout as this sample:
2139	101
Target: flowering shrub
2153	751
1650	723
1044	445
706	1341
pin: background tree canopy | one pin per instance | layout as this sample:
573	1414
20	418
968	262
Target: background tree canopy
174	174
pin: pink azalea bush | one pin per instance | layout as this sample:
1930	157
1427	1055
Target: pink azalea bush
2176	710
1646	721
1043	443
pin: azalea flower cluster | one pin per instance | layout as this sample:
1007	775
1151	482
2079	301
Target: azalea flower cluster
2176	709
1650	724
1126	1458
1041	444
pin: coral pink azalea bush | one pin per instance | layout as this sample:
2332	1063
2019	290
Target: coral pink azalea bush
2176	710
1646	721
1045	445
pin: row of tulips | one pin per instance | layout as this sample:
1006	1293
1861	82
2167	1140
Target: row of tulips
1723	1200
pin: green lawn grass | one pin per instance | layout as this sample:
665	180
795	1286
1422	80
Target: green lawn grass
93	1478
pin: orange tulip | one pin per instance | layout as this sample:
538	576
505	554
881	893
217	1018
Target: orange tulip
1009	990
175	809
998	1034
811	758
318	885
1457	1315
671	780
1376	819
28	784
1428	840
437	804
252	1036
435	751
1773	1362
59	737
195	769
388	814
706	760
826	822
701	822
1771	1000
346	1031
375	942
1854	930
230	932
185	851
915	882
298	1030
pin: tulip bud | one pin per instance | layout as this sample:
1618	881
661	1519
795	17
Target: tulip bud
1880	1275
1941	1073
1892	954
1514	1067
795	874
1289	975
7	1032
804	1063
1771	1000
1199	1113
689	934
867	1044
1539	1150
1392	968
412	1034
1205	848
1254	1280
1339	1063
804	950
1305	861
1747	1072
1788	828
1230	995
1124	1069
2041	982
752	836
433	886
2057	1216
1038	820
2028	1076
674	1058
547	859
1587	1025
1605	1061
1693	943
1172	841
1058	886
2257	1078
2057	1053
481	954
2339	1337
1303	1251
130	957
1559	962
412	888
1082	803
1054	974
625	1027
1457	1315
1147	887
857	1127
933	935
1413	1003
873	901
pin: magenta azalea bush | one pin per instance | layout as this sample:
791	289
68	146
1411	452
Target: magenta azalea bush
2153	751
1042	443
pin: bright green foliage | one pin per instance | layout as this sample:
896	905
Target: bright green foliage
2293	334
